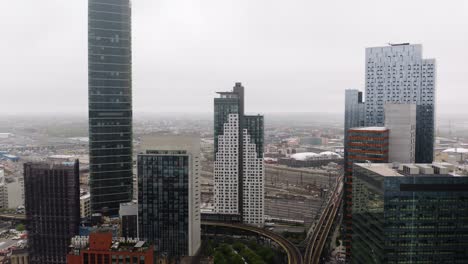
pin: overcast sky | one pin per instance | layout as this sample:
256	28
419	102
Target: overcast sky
291	55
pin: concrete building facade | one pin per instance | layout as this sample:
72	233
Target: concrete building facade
399	74
400	119
238	168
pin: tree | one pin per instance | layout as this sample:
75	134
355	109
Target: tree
236	259
219	258
20	227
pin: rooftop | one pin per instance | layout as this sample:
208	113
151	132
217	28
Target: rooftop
456	150
369	128
103	241
412	169
384	169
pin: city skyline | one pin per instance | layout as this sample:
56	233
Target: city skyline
301	53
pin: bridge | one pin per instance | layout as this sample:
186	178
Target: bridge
315	241
294	255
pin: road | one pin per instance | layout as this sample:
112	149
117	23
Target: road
318	237
12	217
294	255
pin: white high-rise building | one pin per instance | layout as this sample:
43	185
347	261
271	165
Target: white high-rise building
11	191
239	174
400	119
399	74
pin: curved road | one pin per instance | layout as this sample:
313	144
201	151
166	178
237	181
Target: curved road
294	255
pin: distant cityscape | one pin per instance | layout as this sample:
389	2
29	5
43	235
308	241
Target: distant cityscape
386	181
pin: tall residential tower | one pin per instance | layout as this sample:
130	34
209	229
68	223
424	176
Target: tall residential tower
238	167
399	74
110	104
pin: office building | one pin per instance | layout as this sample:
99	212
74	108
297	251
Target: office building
85	205
11	191
409	213
238	167
399	74
110	104
52	193
100	248
129	220
364	144
3	190
354	110
169	194
400	119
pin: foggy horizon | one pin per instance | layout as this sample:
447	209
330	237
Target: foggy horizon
294	58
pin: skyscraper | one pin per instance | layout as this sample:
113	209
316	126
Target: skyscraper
399	74
110	104
354	110
412	213
400	119
169	195
364	144
52	202
238	167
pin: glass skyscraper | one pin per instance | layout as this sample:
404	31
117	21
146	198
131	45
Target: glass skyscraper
110	104
413	213
364	144
169	195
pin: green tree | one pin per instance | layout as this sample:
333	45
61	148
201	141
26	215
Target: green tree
20	227
219	258
236	259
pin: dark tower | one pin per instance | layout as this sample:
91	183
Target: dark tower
110	104
52	201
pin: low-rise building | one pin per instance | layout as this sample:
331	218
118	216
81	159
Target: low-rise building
101	248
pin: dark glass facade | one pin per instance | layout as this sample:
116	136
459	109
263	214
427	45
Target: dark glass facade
163	202
255	128
409	218
52	202
425	133
362	145
110	104
129	225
